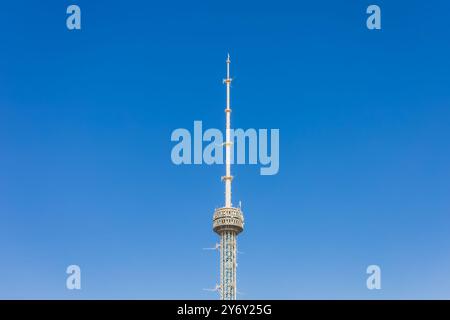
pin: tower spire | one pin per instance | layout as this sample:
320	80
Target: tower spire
228	177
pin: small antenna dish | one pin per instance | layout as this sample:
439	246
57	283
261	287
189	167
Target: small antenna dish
216	288
217	246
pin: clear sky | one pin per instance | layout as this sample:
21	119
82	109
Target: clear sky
86	176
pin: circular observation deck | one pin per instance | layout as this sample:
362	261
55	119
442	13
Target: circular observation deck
228	219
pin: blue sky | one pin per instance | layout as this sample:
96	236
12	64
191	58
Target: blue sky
86	176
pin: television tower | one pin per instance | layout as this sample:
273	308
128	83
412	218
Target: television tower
228	221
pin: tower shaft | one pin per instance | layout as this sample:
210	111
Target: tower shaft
228	265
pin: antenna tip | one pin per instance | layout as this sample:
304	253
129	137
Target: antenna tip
228	58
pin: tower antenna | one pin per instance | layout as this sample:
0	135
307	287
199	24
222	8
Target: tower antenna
228	177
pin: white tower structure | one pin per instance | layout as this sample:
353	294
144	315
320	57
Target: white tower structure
228	221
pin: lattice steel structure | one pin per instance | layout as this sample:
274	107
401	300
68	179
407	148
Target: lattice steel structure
228	221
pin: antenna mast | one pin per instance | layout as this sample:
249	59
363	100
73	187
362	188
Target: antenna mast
228	177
